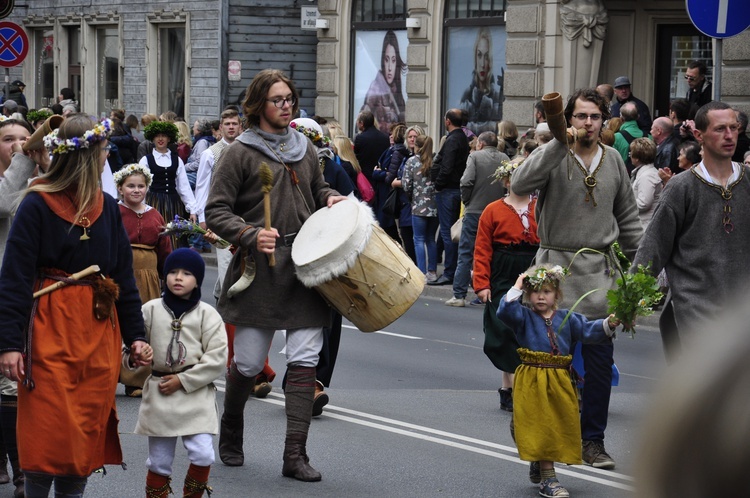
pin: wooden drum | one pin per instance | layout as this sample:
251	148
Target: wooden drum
362	272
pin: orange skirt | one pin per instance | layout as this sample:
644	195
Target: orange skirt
146	275
67	424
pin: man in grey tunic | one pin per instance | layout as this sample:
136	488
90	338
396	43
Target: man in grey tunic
585	201
275	299
700	232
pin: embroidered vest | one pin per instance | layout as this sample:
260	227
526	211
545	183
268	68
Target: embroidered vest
216	149
165	179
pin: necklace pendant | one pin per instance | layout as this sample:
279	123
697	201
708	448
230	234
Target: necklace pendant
590	181
85	235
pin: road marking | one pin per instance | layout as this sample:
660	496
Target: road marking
461	442
403	336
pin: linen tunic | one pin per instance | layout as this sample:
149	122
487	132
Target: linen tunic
567	222
276	299
706	266
191	409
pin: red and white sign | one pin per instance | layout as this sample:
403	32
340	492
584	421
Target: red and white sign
234	69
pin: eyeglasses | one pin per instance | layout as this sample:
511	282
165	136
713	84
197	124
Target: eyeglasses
279	102
690	78
584	117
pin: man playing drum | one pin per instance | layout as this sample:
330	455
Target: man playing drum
274	298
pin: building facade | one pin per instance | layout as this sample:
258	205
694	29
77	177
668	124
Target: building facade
160	55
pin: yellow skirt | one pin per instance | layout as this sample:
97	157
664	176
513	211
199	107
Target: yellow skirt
545	409
146	275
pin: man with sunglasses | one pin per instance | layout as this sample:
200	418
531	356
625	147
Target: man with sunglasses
585	201
274	298
699	92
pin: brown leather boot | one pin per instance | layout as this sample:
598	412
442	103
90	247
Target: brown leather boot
196	481
320	399
157	485
300	391
238	390
296	462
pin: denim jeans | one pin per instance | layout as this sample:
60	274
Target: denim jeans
449	207
462	278
37	485
597	360
425	228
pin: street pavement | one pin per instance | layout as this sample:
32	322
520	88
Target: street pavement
414	412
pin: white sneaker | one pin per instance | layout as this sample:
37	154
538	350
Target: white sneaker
456	301
431	276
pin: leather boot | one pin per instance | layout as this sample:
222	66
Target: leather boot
157	485
238	390
196	481
320	400
8	414
300	391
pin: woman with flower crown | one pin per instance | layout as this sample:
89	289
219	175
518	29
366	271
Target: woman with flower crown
170	191
143	225
64	345
505	246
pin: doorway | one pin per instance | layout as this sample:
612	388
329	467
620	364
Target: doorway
677	45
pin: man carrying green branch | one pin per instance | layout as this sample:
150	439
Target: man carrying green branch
585	201
700	232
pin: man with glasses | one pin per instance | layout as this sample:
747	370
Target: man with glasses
624	94
699	92
585	201
275	299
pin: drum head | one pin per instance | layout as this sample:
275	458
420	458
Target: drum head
329	242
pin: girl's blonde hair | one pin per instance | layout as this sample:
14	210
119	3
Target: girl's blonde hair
423	146
183	133
77	170
544	277
345	149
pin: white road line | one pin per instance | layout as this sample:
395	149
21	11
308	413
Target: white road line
580	472
385	333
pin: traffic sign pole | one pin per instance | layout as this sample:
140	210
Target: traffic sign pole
718	59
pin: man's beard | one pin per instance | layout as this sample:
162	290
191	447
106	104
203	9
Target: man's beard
588	141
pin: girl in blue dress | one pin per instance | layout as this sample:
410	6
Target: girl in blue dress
545	416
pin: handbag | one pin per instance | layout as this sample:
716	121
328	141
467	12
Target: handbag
392	205
366	192
456	229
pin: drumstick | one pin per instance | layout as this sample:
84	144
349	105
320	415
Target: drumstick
76	276
266	180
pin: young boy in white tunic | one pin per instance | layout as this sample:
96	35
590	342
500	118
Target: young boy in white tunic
179	399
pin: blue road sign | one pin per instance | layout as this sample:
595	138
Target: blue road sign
719	18
14	44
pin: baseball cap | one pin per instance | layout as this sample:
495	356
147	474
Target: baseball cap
18	83
621	81
11	105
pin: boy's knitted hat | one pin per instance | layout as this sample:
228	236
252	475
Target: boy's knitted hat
187	260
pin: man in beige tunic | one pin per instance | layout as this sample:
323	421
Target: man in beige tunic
585	200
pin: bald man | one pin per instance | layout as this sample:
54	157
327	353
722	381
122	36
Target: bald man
666	144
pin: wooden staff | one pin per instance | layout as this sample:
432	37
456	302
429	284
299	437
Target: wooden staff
62	283
266	179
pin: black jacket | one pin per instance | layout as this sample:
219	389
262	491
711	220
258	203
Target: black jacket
368	146
450	162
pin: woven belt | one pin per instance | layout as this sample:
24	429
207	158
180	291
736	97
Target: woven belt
159	374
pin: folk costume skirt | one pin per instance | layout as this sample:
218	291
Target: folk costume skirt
67	424
168	205
545	409
500	344
146	274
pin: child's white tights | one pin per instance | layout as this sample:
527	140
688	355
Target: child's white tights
200	449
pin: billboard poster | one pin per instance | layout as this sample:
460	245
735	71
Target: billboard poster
380	76
475	68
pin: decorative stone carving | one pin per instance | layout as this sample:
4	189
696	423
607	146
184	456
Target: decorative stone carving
584	18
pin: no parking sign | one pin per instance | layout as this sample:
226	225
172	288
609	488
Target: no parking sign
14	44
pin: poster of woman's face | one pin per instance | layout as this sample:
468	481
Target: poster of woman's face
380	76
476	83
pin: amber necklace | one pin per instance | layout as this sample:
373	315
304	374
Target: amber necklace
726	195
589	179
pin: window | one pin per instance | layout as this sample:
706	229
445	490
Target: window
108	69
474	61
44	79
172	64
74	61
168	62
379	10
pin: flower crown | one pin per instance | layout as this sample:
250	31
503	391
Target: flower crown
133	169
317	138
58	145
539	276
505	170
